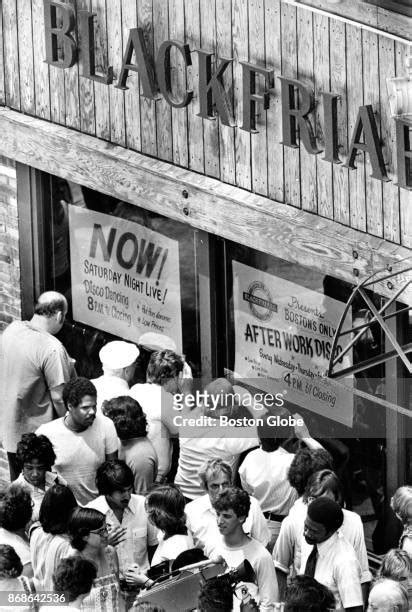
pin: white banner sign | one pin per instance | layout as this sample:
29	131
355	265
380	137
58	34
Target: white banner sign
125	277
283	337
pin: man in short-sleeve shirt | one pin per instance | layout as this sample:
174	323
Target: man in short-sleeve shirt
82	439
36	366
134	536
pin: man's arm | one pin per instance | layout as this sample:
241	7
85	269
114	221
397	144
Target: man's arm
56	395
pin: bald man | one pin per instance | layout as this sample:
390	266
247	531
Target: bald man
36	367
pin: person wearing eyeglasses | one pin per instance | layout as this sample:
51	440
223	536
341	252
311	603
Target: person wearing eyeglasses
88	535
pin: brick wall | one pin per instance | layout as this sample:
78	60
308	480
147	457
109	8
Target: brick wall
10	305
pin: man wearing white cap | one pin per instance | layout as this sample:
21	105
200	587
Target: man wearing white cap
118	360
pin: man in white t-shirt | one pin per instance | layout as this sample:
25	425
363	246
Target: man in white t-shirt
118	359
216	476
81	439
232	507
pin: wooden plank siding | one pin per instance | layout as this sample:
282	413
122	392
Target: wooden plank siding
339	86
308	161
371	95
405	196
163	109
11	54
2	86
41	69
131	97
323	53
24	20
115	55
101	91
72	89
390	190
86	89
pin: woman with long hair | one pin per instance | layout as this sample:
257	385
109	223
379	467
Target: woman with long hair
49	540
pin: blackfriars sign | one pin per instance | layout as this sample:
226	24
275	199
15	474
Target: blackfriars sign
258	84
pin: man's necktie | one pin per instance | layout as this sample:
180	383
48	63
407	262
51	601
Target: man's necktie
311	562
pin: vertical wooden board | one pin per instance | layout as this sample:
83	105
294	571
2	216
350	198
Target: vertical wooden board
289	69
24	28
388	135
274	113
86	89
147	107
354	71
194	123
240	28
322	83
163	109
115	55
71	85
57	88
131	95
2	89
179	85
374	210
405	196
210	126
305	74
340	174
11	54
257	56
41	69
224	49
101	91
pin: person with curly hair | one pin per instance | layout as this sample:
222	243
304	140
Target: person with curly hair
234	545
130	531
36	457
11	579
74	578
88	535
165	507
82	439
135	447
401	504
15	516
49	540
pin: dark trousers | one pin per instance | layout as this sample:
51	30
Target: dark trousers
14	466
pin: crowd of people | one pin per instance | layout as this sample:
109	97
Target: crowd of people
103	503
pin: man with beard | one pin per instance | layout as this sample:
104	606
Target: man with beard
81	439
